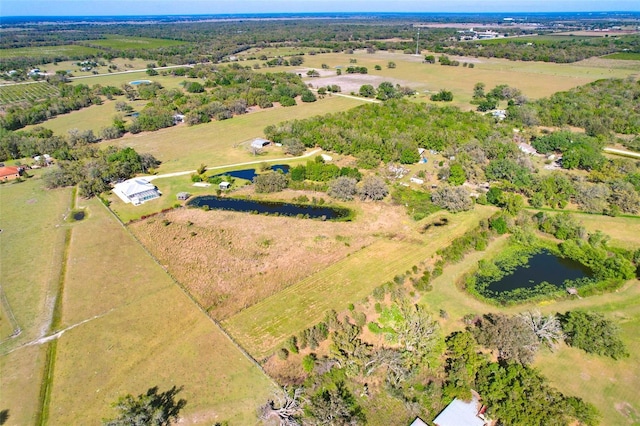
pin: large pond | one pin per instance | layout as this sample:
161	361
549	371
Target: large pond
542	267
269	207
249	174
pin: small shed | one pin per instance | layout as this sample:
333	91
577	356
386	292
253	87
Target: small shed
260	143
225	185
183	196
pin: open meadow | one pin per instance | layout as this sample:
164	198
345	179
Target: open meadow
221	142
31	244
49	51
128	331
535	79
265	325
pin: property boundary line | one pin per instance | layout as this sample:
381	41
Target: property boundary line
192	299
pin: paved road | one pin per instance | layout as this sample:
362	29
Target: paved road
248	163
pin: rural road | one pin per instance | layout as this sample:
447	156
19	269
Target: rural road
188	172
622	152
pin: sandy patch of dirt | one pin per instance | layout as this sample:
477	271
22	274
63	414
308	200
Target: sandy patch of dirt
628	411
352	82
229	261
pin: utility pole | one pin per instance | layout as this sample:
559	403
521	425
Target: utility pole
417	44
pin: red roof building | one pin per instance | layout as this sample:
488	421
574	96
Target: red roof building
10	172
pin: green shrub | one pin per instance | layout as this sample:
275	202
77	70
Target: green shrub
309	362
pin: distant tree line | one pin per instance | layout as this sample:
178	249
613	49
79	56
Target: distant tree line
560	51
601	107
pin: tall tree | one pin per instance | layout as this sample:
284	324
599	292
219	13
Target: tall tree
152	408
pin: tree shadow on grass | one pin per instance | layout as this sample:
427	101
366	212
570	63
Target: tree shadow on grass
4	416
151	408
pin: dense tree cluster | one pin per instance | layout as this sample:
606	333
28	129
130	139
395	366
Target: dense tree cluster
385	131
593	333
560	51
600	107
94	170
270	182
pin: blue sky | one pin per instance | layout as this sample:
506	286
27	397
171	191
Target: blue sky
184	7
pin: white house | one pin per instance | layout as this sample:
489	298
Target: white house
459	412
136	191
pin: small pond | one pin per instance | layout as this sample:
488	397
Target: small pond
138	82
249	174
78	215
542	267
269	207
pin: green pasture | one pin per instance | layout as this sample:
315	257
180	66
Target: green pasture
626	56
32	220
21	373
120	42
223	142
265	325
624	231
611	385
93	118
49	51
31	242
535	79
130	327
118	79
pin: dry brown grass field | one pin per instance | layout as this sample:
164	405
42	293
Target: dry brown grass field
230	260
397	248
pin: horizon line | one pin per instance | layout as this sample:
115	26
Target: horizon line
599	12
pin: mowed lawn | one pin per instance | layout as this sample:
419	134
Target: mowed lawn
31	244
131	328
265	325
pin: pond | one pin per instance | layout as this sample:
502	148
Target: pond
139	82
541	267
249	174
269	207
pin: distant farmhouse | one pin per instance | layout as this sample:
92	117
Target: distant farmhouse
10	173
136	191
